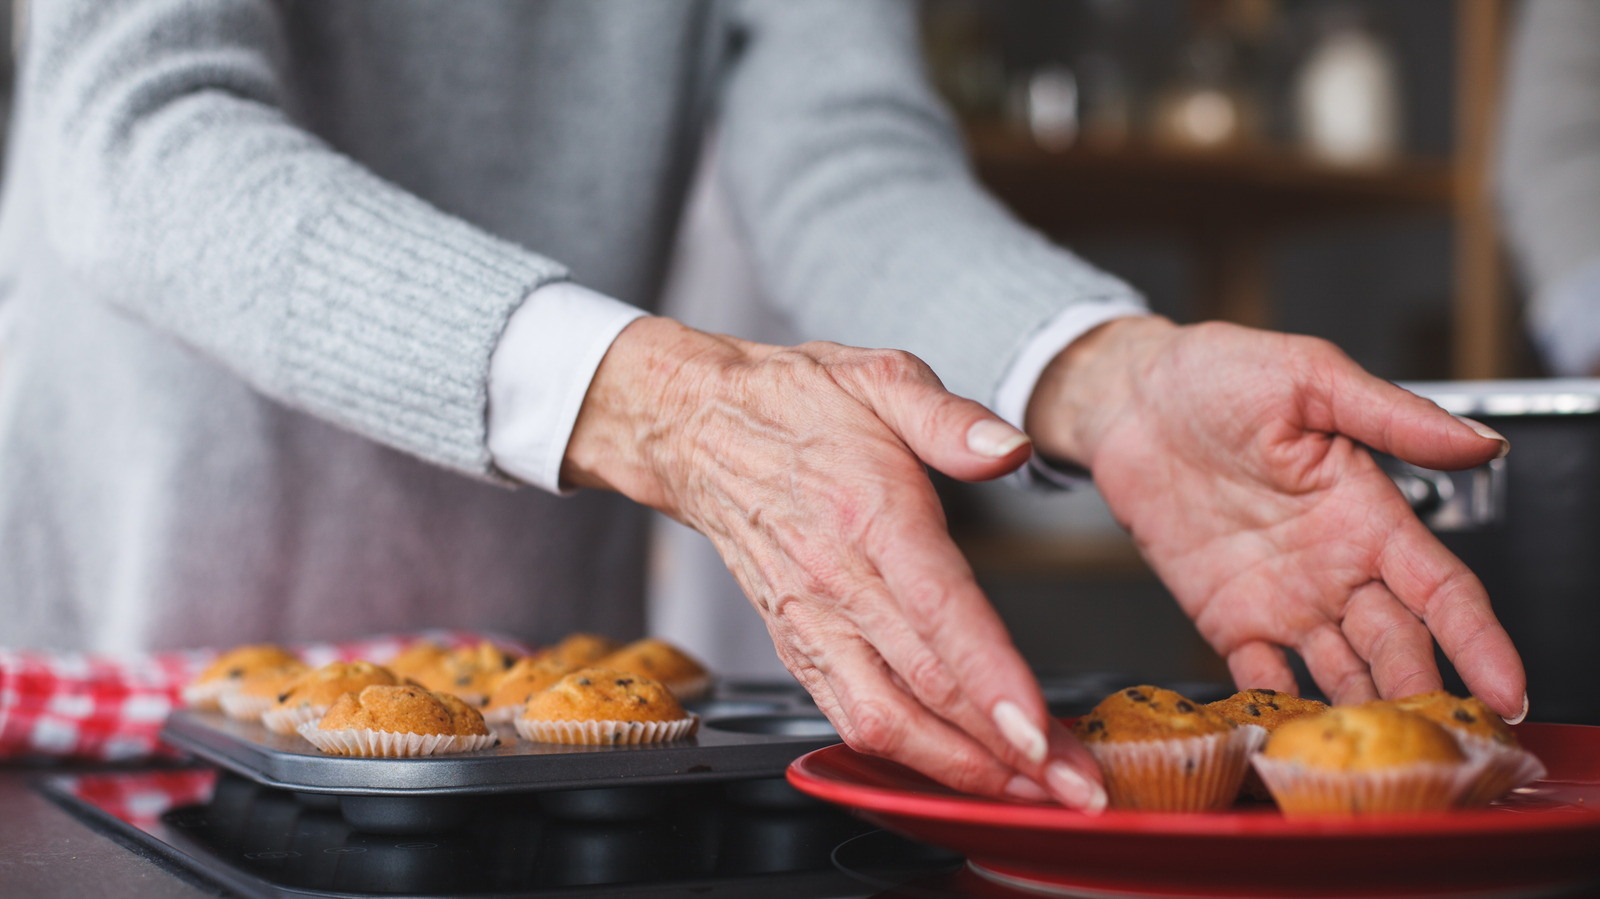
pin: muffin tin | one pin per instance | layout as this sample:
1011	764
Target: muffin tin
748	731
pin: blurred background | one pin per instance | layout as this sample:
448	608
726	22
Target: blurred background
1316	166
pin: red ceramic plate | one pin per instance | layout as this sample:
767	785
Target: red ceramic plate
1546	835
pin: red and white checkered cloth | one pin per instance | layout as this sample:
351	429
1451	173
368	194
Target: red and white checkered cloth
111	708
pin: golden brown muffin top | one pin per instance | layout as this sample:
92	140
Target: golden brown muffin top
270	682
1467	716
1148	713
416	657
527	677
403	710
656	659
1267	708
580	650
604	694
326	684
236	663
1370	737
470	670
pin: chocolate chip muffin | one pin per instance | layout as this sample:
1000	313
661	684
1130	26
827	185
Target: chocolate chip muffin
229	670
604	706
470	672
522	680
664	663
313	693
1363	759
259	690
1267	709
581	650
397	722
417	657
1484	737
1160	750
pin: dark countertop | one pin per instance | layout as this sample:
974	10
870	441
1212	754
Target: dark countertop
46	852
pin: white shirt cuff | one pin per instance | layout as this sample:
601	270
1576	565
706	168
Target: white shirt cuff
1016	388
540	373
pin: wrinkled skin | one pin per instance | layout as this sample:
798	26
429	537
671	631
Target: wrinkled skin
1215	446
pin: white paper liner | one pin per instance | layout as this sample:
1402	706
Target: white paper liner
1504	768
205	696
606	733
1183	774
384	744
504	714
287	719
241	706
1422	786
693	688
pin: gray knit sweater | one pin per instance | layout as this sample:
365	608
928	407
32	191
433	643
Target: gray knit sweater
258	254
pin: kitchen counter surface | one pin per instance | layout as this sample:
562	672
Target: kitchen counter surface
45	852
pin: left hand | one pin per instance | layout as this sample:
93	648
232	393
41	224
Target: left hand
1235	458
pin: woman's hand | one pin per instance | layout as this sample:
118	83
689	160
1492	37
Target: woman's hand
804	466
1234	458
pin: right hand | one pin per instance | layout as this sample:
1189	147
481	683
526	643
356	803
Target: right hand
804	466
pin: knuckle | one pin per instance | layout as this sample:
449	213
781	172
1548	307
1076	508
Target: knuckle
969	772
877	729
931	682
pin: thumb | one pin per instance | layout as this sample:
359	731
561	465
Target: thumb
955	435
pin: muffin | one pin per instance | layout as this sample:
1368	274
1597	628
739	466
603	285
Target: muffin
581	650
419	656
1363	759
605	707
1483	736
470	672
1161	751
229	669
259	690
1266	709
400	721
314	692
662	662
523	679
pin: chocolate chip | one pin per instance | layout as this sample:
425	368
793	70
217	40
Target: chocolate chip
641	700
1273	706
1253	709
236	672
464	680
1188	766
584	682
624	681
1263	691
1465	717
507	661
283	697
1135	695
1184	706
1095	725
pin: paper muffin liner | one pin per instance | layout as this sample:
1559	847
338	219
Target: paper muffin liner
1503	768
1423	786
206	696
384	744
606	733
241	706
692	688
505	714
1182	774
287	719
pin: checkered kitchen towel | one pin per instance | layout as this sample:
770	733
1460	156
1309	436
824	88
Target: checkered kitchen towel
111	708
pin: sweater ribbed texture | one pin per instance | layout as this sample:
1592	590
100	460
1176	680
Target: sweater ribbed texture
259	254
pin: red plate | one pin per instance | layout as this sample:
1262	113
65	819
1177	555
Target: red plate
1546	835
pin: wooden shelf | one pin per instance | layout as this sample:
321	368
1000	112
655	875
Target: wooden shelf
1151	189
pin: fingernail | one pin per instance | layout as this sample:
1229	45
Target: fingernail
994	438
1074	790
1484	430
1522	715
1020	787
1019	731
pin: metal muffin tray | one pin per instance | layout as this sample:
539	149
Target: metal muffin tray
749	733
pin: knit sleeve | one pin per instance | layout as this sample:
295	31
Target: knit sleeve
865	219
179	186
